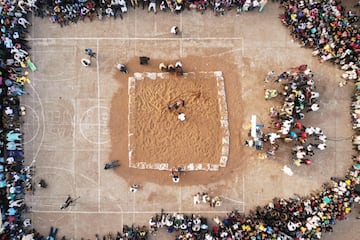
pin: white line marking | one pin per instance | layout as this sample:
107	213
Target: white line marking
231	199
75	153
243	187
98	124
88	178
134	207
36	116
132	212
137	38
181	39
98	103
225	52
75	226
180	193
43	121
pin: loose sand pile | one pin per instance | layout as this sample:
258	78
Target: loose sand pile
158	139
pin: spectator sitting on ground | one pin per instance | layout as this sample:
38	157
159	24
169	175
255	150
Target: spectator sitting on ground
144	60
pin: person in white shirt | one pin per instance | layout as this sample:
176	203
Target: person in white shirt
178	64
152	5
85	62
123	6
182	117
122	68
321	146
314	107
134	188
255	4
174	30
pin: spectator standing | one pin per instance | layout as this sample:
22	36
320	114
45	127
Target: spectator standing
152	6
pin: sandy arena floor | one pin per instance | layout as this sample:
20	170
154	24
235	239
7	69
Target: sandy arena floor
78	119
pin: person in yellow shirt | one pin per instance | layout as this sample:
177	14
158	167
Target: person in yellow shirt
23	79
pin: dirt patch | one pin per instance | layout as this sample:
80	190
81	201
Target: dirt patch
158	138
209	150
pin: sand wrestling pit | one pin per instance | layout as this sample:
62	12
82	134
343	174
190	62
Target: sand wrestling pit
159	140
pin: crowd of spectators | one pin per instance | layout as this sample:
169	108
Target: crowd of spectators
71	11
322	25
299	96
327	28
15	177
298	218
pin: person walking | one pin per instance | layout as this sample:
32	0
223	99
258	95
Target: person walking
90	53
68	202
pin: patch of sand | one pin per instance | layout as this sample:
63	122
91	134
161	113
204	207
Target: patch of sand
200	131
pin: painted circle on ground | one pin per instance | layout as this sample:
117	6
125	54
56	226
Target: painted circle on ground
94	125
31	117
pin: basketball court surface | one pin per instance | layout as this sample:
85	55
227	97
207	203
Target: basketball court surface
78	119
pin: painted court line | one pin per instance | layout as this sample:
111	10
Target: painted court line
132	212
137	38
99	133
101	124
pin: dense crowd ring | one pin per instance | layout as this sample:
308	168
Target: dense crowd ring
322	25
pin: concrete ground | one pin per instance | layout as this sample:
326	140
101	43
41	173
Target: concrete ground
68	138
